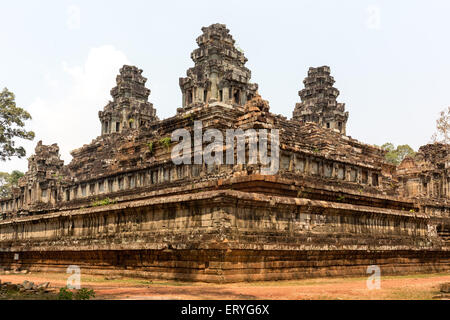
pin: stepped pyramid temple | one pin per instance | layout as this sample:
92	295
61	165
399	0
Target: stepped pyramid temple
332	207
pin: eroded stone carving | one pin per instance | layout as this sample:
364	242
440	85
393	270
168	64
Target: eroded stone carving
130	108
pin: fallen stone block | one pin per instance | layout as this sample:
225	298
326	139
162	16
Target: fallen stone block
28	285
445	287
43	285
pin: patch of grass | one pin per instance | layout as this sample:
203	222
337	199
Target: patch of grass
153	283
14	294
188	116
136	281
27	296
412	294
174	283
150	147
305	282
326	297
103	202
84	294
65	294
165	142
416	276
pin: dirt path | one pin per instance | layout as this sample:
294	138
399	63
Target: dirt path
400	287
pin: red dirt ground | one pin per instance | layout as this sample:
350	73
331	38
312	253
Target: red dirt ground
399	287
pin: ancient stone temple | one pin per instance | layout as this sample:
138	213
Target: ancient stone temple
333	207
130	108
319	103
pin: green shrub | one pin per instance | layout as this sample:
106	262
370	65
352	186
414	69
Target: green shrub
65	294
165	142
81	294
104	202
84	294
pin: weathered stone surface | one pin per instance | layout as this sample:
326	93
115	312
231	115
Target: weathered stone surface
445	287
319	103
43	286
219	74
122	206
130	108
28	285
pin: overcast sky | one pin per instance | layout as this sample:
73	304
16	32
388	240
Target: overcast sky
390	59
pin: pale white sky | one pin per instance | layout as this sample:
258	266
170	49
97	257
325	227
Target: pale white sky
390	59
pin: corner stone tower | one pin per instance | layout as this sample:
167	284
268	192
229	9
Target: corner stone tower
219	74
130	108
41	182
319	103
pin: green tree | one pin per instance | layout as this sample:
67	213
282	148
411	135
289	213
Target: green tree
4	188
14	177
396	155
8	181
388	146
442	134
12	126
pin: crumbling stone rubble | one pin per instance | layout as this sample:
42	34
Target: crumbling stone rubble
27	288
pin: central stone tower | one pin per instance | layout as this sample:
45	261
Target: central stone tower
219	74
130	108
319	103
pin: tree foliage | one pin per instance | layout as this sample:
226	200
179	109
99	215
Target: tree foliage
396	155
442	134
8	181
12	125
81	294
4	189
